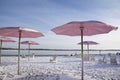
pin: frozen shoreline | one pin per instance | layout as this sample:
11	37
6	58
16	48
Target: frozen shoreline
66	68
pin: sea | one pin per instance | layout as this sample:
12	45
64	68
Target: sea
56	52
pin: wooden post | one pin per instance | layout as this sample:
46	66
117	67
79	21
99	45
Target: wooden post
0	50
20	32
82	55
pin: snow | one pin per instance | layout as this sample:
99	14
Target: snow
66	68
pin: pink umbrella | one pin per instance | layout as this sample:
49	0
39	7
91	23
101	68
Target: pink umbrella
20	33
88	43
4	39
29	43
80	28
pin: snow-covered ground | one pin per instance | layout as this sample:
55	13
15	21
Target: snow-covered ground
66	68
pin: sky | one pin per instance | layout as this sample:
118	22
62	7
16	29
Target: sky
43	15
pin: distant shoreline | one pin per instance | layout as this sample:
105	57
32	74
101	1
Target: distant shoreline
64	49
37	55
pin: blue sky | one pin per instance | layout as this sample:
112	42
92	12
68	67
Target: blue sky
43	15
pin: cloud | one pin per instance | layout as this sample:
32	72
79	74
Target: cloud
47	14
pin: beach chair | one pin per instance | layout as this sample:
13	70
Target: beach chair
113	60
102	60
53	60
33	56
92	57
86	57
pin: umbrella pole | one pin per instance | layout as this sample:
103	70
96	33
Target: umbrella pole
88	51
28	52
0	50
82	55
19	52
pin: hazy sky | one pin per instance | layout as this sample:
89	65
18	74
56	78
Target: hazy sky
43	15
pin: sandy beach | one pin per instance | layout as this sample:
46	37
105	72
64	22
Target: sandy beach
59	40
66	68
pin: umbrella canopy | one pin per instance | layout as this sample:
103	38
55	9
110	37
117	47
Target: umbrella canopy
4	39
89	28
19	32
29	43
89	43
86	28
15	31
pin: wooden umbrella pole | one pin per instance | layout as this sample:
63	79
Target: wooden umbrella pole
28	52
20	32
0	49
88	52
82	55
